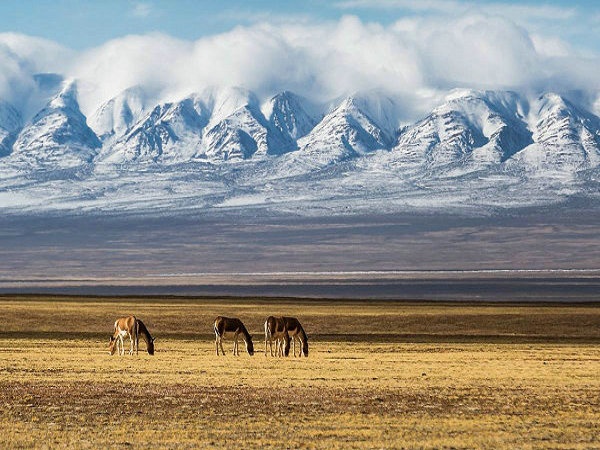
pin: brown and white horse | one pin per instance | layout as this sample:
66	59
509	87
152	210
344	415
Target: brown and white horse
232	325
275	329
132	327
296	332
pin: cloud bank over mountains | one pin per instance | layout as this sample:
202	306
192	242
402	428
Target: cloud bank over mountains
416	59
429	112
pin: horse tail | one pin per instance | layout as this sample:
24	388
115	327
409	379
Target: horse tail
218	321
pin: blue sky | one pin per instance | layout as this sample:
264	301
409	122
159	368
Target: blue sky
81	24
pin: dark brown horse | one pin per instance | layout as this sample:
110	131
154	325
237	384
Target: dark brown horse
296	332
275	330
232	325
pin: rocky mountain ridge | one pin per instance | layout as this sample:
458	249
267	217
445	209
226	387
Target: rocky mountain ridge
229	143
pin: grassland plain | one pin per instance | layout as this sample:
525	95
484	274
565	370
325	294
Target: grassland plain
379	375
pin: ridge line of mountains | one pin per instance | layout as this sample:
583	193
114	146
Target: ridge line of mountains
472	132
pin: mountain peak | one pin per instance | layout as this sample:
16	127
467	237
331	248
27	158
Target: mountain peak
223	102
346	132
474	141
58	136
118	114
66	98
291	114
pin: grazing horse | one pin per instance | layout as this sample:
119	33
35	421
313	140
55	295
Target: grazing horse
141	329
275	329
125	326
296	332
132	327
231	325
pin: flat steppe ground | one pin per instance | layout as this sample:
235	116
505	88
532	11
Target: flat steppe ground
379	375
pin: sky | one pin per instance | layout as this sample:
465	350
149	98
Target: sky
417	50
81	24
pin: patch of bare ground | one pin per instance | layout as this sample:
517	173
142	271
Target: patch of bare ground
180	415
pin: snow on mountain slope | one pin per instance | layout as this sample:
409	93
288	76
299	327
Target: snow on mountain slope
567	138
215	125
345	132
238	130
471	129
10	123
58	136
223	102
219	148
117	115
380	108
291	114
238	136
171	132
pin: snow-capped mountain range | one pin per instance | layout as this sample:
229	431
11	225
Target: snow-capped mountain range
223	147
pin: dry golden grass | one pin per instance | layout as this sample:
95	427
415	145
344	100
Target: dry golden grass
383	375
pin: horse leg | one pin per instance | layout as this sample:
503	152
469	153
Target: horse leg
235	344
122	349
130	344
134	343
221	345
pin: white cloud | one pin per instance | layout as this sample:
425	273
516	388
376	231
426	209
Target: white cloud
35	54
21	57
550	46
417	59
149	61
596	106
332	59
478	51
